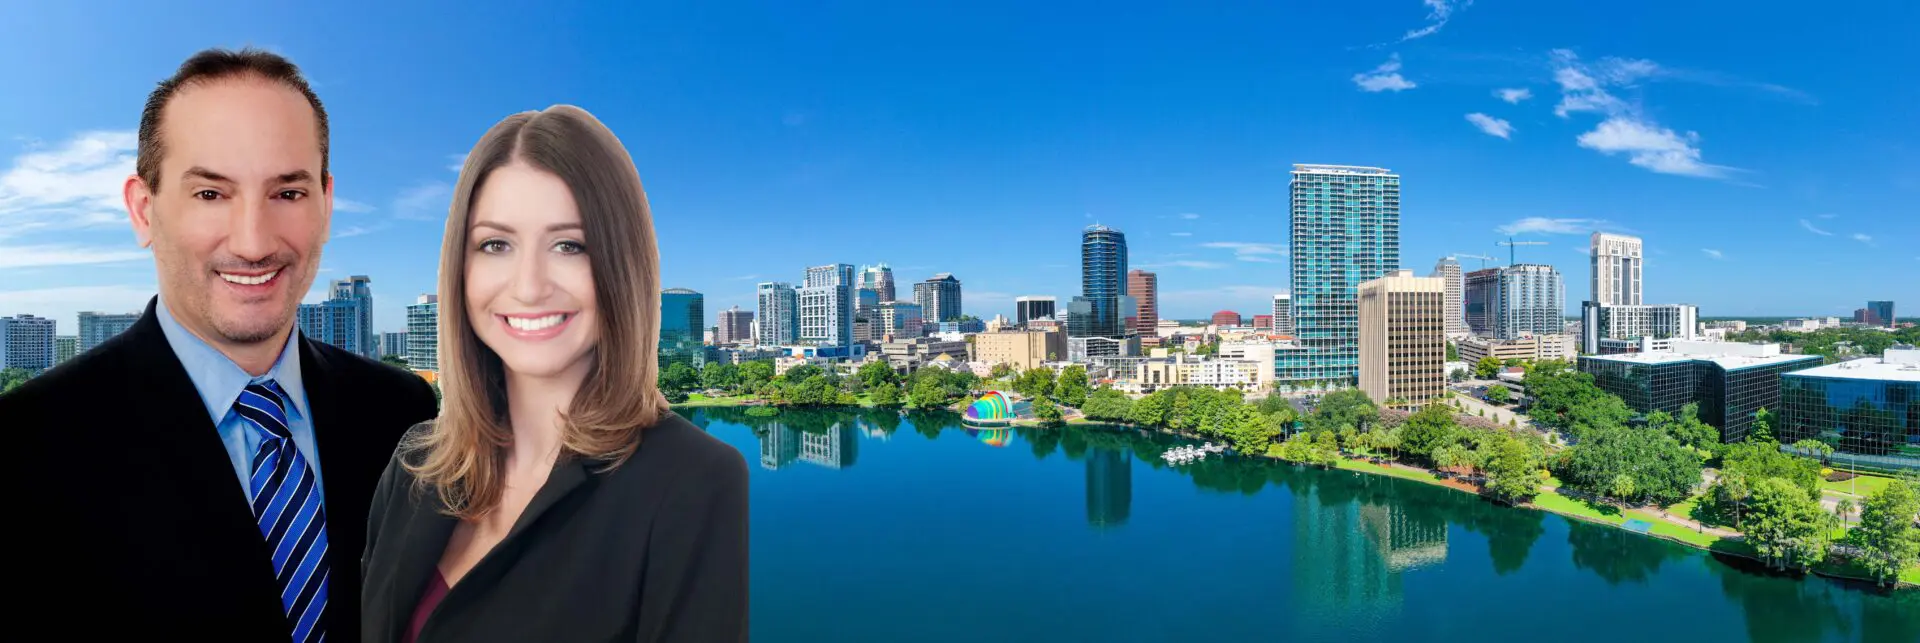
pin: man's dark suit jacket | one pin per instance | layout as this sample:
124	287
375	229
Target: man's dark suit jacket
125	520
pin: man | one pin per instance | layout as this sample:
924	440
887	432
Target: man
206	474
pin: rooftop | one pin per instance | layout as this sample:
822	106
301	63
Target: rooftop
1895	366
1729	356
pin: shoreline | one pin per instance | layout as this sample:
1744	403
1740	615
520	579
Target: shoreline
1906	581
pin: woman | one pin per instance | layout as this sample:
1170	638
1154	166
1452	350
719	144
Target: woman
556	498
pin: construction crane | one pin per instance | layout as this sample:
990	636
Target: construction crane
1483	258
1510	243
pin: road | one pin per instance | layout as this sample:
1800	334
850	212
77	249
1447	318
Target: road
1473	406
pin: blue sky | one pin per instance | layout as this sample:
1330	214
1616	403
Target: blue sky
1766	153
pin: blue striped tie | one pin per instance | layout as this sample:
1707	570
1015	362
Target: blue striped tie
287	505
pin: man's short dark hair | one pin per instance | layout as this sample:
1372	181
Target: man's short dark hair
211	65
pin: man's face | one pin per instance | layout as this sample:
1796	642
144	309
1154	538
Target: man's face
240	210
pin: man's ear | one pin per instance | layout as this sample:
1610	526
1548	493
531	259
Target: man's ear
139	198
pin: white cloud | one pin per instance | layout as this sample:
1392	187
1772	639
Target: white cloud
1651	146
356	230
56	255
1625	130
75	184
1543	225
1249	251
1492	126
346	205
1386	77
1184	263
1862	238
1439	11
1810	228
1715	254
1189	215
456	162
746	277
1514	95
1582	250
424	202
1183	234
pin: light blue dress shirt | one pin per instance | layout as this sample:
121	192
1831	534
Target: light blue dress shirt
220	382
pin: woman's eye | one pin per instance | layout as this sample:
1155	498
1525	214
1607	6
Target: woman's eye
570	247
493	246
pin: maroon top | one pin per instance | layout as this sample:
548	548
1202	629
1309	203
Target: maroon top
436	590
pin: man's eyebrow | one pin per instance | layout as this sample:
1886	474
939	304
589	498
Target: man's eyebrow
210	175
296	176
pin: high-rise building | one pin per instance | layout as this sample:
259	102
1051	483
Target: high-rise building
1403	337
1479	291
1730	381
1628	322
827	306
1617	266
1531	299
1283	314
423	334
393	344
1225	318
879	279
1144	288
1103	282
939	298
1866	408
1882	310
1030	307
26	342
97	328
1263	322
683	315
1449	269
901	320
65	347
345	319
778	322
735	327
1344	229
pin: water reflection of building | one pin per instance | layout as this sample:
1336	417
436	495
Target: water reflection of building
1404	539
1334	566
835	448
1109	486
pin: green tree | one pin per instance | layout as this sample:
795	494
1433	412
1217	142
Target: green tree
1756	460
1486	368
1427	430
1690	431
1513	475
1731	492
875	373
1072	386
1350	438
1622	487
1107	404
1762	428
1341	409
755	374
800	372
1453	352
1498	394
1001	370
885	394
1250	431
1297	448
394	361
678	378
1662	470
1035	382
1886	536
720	375
1153	409
927	393
1046	410
1450	456
1815	448
1787	526
1326	452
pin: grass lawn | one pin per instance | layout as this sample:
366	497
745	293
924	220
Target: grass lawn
1564	505
1863	485
1685	508
696	399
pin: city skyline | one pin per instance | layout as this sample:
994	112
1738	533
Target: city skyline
1724	160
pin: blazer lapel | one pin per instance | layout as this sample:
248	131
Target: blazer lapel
422	542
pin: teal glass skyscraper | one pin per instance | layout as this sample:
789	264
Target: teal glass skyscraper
682	320
1344	230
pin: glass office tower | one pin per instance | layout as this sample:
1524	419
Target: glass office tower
682	321
1867	408
1103	282
1345	229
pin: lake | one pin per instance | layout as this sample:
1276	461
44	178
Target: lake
876	526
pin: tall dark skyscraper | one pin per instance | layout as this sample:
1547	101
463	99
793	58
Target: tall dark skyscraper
1883	310
939	298
879	279
1103	281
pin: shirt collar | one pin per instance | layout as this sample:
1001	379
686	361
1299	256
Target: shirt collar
218	379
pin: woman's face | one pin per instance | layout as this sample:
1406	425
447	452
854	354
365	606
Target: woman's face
529	286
